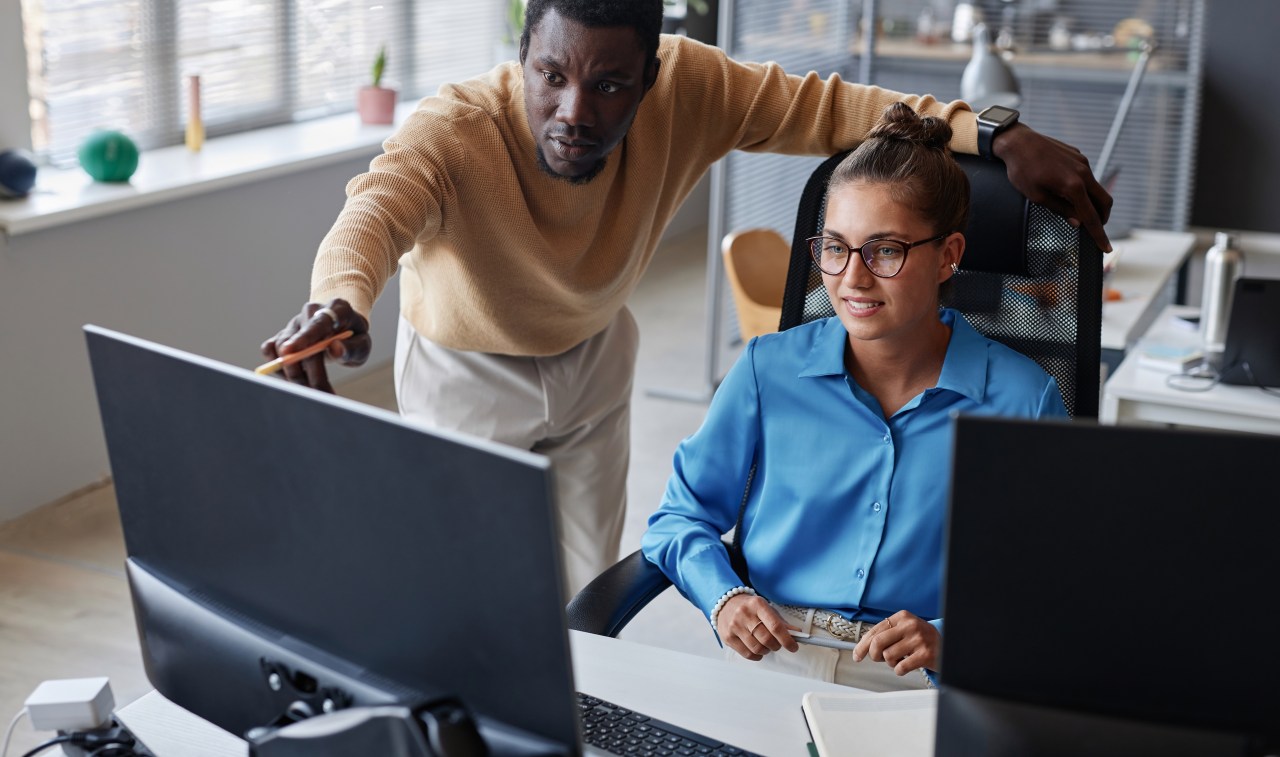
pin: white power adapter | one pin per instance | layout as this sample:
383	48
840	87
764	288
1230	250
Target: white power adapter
72	704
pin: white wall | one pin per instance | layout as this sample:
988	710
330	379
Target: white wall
214	274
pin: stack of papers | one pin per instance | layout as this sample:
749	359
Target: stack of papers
846	724
1171	358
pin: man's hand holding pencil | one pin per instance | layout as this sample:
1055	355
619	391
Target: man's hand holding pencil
319	331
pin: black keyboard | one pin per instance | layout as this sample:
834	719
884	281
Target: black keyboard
618	730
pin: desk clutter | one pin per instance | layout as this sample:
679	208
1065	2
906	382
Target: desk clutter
1241	347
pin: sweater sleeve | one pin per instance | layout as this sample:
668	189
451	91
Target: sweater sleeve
395	203
766	109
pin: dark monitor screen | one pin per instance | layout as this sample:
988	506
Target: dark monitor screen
1251	353
271	528
1108	585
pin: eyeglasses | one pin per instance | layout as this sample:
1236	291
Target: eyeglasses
884	257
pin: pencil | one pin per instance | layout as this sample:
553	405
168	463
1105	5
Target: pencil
268	368
822	641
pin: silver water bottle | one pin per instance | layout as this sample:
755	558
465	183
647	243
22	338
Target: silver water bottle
1223	264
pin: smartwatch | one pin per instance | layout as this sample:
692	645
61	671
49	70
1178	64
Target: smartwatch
991	122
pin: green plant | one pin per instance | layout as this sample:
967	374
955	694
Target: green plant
379	65
515	21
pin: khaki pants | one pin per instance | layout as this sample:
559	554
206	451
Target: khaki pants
575	408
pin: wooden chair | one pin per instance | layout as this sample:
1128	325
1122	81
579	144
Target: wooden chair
756	261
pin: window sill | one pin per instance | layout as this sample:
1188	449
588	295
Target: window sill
63	196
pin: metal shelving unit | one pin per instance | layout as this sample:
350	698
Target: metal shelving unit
1070	95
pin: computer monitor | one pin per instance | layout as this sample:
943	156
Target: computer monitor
292	549
1251	351
1110	590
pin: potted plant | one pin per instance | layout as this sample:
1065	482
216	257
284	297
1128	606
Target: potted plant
375	103
508	47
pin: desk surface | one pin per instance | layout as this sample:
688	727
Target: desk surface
753	709
1138	394
1143	276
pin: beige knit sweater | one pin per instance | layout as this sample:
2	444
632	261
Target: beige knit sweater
499	257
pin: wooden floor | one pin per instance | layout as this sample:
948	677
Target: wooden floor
64	604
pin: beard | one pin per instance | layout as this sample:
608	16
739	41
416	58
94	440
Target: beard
546	168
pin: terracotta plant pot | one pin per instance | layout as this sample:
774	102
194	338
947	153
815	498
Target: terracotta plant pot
376	105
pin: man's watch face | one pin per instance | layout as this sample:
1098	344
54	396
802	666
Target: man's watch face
998	114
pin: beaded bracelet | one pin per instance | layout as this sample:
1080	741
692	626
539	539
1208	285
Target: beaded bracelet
735	591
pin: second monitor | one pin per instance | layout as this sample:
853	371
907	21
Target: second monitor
1110	590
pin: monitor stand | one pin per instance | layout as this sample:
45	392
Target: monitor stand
441	730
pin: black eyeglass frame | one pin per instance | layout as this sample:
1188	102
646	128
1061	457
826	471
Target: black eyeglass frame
816	253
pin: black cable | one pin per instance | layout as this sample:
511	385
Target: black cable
1248	370
114	742
1204	378
1200	379
116	749
51	742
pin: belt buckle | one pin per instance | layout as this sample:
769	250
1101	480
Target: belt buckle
829	622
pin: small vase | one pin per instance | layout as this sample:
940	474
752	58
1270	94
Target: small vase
376	105
195	122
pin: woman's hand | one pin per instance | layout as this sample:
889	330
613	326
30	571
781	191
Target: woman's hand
752	628
903	641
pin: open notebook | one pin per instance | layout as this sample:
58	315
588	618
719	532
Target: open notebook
846	724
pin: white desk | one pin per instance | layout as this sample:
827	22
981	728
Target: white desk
1137	394
754	709
1143	276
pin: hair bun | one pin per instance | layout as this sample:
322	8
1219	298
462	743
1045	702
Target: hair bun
900	122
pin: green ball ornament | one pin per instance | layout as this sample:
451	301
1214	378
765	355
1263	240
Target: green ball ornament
109	156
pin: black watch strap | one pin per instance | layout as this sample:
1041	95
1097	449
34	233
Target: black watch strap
991	122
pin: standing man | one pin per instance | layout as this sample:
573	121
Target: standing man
528	202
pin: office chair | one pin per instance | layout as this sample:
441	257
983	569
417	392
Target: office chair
1028	280
756	262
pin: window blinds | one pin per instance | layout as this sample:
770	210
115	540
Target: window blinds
121	64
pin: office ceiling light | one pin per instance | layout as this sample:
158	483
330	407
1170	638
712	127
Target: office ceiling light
987	79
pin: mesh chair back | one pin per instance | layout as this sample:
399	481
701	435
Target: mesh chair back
1028	279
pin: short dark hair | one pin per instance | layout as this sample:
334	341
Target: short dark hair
645	16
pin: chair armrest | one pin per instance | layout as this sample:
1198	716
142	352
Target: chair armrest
609	602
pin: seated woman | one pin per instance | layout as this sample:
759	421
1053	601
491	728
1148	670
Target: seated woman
843	427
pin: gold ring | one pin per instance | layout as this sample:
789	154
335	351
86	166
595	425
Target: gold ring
332	316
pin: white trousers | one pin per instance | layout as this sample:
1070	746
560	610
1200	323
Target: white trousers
574	407
833	665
